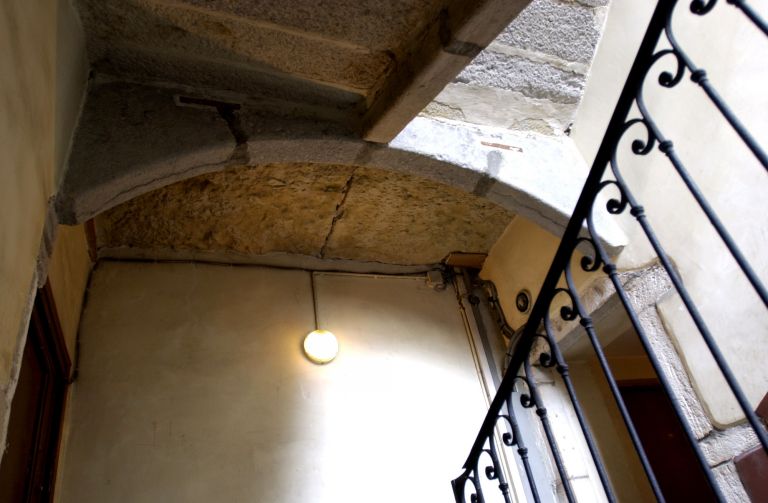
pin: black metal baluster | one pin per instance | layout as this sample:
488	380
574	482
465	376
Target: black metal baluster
610	269
701	7
751	14
638	212
512	437
699	77
661	22
516	439
586	323
667	147
533	399
556	358
573	229
495	471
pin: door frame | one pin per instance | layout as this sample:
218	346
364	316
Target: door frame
46	339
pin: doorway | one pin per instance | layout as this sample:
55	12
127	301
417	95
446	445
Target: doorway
674	462
28	467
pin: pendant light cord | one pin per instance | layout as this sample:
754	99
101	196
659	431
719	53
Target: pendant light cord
314	297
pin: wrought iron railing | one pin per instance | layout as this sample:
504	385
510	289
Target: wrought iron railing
484	458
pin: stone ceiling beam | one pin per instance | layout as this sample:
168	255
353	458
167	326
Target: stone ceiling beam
449	44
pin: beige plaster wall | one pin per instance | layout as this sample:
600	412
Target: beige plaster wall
519	260
192	387
42	79
68	272
27	91
732	52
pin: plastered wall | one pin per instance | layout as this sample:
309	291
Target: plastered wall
519	260
42	78
732	52
27	90
68	272
193	387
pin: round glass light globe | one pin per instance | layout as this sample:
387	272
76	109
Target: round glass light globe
321	346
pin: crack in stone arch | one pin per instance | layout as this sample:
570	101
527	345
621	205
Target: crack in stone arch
339	212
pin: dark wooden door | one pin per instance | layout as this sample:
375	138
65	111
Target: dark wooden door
674	462
28	466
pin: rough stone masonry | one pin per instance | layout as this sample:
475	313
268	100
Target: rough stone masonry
532	76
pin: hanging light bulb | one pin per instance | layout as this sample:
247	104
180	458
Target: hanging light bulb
320	346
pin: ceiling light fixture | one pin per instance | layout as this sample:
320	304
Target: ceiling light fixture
320	346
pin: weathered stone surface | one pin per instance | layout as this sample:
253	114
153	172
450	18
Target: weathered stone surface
137	138
564	29
378	26
535	80
126	135
532	77
394	218
125	31
329	211
373	65
497	107
286	208
728	480
724	445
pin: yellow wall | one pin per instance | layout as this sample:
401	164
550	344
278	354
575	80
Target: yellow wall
193	387
520	260
68	273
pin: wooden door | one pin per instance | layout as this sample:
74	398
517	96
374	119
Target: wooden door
28	466
673	460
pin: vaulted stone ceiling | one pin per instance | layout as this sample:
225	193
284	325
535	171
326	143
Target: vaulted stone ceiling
323	211
349	60
224	87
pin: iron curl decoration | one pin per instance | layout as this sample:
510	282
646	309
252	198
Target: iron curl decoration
666	78
665	65
701	7
509	439
460	487
546	358
613	205
589	262
567	312
526	399
639	146
492	471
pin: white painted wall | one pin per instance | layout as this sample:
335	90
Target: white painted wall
192	387
733	53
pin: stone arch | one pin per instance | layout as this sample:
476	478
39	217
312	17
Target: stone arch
133	139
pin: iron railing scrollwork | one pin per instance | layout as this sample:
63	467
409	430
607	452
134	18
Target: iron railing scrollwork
519	382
